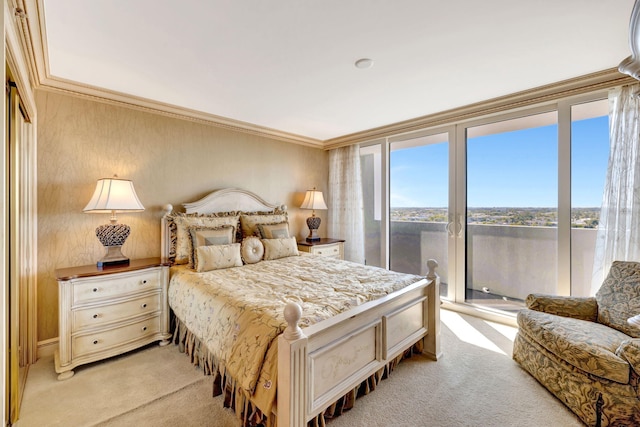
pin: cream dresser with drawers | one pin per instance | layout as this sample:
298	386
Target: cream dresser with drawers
107	311
333	248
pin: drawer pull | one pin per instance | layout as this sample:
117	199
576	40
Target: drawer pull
319	252
95	342
144	328
144	282
95	289
95	316
144	305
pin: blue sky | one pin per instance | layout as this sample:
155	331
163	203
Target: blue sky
512	169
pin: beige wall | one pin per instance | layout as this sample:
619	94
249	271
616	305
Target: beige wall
169	160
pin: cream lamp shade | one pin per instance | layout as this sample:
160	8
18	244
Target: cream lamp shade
113	195
313	199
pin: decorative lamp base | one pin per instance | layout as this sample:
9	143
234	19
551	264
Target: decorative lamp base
113	256
313	222
112	237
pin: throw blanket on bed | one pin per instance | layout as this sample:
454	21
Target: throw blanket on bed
237	312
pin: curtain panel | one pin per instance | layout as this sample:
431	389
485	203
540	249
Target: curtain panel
618	236
345	201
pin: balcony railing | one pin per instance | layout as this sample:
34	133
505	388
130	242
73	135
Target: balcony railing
503	262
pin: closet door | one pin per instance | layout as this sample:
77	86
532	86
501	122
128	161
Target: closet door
21	259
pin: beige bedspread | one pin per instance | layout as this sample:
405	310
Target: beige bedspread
237	312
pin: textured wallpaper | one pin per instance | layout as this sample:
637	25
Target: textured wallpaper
169	161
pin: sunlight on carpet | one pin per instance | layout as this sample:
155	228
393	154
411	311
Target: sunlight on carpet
469	334
508	331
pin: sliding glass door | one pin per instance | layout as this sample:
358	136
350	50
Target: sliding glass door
419	204
589	158
371	167
508	205
512	210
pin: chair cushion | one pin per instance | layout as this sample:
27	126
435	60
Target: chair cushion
588	346
619	297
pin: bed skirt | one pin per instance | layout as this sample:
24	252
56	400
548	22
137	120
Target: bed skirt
239	399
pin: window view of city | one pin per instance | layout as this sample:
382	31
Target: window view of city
533	217
506	235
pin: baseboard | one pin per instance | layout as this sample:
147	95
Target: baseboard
47	347
491	315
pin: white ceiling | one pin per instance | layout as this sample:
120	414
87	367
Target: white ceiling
289	64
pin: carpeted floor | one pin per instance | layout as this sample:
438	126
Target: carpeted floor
476	383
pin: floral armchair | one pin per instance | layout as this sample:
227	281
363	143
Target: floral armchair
586	351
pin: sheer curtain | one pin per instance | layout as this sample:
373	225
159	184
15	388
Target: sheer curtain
345	201
618	235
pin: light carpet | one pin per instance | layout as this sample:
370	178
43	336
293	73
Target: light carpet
476	383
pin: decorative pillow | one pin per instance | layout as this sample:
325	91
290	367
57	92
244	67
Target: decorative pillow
216	257
280	248
183	221
206	236
251	250
274	231
249	222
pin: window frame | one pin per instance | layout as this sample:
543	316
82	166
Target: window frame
457	189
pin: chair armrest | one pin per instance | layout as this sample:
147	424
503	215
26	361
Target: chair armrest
629	350
584	308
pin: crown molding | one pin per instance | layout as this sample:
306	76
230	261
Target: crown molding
58	85
37	50
601	80
34	33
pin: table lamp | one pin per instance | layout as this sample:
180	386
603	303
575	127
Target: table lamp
113	195
313	200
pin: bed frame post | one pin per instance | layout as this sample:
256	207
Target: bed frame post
165	232
292	370
431	342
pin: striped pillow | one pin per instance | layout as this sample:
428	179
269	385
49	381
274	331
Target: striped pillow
207	236
274	231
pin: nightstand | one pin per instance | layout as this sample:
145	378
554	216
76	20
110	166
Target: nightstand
333	248
107	311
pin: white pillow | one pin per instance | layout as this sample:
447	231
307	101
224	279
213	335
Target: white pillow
215	257
251	250
280	248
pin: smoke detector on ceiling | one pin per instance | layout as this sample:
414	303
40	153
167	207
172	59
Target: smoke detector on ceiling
364	63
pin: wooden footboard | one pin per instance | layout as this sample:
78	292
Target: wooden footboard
319	365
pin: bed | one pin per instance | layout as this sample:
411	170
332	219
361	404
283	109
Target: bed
290	337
